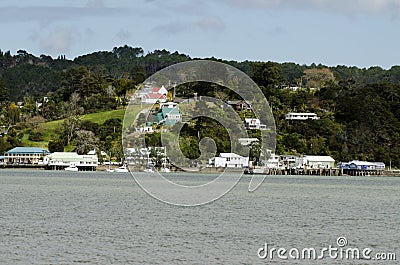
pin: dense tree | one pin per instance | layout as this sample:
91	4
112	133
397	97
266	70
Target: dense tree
86	141
4	92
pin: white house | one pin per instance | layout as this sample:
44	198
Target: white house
153	98
59	160
316	161
230	160
254	124
301	116
145	129
290	161
247	141
273	162
168	105
162	90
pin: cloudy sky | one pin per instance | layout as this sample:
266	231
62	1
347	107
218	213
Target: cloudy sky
347	32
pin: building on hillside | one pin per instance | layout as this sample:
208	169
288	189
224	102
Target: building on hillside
248	141
254	124
162	90
239	104
61	160
230	160
310	161
153	98
145	129
168	105
168	115
25	156
292	116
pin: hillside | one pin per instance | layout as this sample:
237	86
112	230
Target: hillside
26	75
77	104
51	127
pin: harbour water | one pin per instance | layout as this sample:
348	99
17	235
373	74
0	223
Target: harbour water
49	217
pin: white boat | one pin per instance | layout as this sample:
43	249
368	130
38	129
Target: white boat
148	170
110	170
71	168
121	169
165	170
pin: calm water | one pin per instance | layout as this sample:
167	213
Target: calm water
99	218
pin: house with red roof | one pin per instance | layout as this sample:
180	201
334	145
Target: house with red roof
155	95
162	90
153	98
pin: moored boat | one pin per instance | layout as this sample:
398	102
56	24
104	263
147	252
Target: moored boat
121	169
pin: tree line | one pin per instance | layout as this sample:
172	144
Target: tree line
359	107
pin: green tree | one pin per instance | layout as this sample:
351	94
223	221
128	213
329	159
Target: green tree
86	141
4	93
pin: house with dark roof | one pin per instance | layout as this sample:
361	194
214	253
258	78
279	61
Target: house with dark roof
25	155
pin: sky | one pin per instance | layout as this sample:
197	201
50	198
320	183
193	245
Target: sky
360	33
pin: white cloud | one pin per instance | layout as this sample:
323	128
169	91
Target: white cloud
347	7
212	23
59	41
171	28
47	14
124	35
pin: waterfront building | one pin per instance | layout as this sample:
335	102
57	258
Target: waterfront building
316	161
25	156
361	165
61	160
230	160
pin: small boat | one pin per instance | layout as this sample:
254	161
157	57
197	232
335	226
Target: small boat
165	170
110	170
71	168
121	169
148	170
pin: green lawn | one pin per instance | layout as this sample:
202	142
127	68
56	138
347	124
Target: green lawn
100	118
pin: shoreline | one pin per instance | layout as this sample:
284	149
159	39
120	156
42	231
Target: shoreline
207	171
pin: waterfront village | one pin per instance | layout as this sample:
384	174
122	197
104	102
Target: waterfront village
168	114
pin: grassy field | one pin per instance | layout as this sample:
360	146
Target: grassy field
100	117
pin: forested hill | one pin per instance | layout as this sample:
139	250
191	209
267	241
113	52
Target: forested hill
359	108
27	75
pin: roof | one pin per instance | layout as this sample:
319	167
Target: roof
251	120
302	113
362	163
155	96
28	150
319	158
72	157
166	111
229	155
63	155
